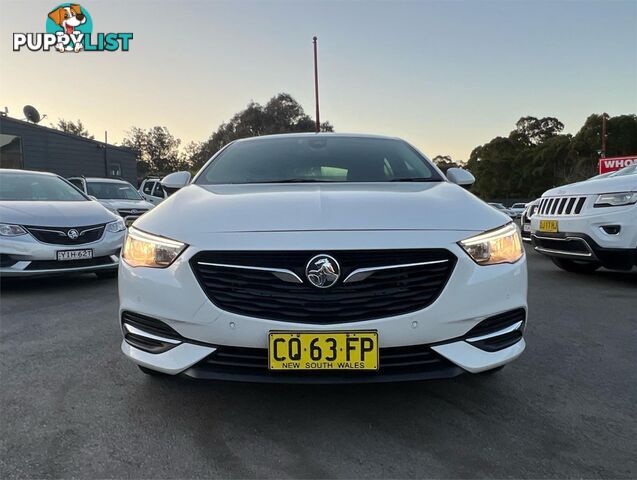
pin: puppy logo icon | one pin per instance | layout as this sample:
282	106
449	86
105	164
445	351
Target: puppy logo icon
68	19
69	28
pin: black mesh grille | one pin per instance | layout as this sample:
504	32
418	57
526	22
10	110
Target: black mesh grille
393	362
60	235
385	293
55	264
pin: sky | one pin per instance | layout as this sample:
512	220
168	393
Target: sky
446	76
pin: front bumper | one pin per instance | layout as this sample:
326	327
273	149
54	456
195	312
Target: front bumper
581	247
24	256
472	294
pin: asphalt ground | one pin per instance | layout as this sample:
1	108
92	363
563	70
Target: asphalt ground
73	406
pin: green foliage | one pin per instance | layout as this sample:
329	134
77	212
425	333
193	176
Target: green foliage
536	156
282	114
74	128
444	162
157	151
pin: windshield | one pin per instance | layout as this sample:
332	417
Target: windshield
112	191
33	187
632	170
318	159
519	205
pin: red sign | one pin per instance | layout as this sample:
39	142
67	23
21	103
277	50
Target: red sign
612	164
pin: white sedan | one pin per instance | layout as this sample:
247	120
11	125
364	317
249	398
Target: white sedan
322	258
49	227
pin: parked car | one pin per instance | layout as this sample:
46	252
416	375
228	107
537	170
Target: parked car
119	196
152	190
503	209
49	227
322	258
518	208
525	219
590	224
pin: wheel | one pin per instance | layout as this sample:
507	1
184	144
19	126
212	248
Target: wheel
493	370
148	371
575	266
106	273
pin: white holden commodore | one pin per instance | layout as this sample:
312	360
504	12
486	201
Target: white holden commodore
322	258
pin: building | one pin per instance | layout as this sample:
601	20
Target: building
35	147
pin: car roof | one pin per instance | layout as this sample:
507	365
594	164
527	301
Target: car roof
315	135
28	172
106	180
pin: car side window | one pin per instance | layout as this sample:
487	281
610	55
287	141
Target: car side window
159	191
148	188
77	183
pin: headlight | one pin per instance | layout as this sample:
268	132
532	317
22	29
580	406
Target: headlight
616	199
502	245
7	230
146	250
116	226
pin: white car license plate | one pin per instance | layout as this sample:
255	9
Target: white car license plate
74	254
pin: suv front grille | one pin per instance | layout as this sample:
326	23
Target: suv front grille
384	293
60	235
561	206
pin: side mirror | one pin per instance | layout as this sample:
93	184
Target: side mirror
460	176
175	181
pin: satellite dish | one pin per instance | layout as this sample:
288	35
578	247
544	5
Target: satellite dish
31	113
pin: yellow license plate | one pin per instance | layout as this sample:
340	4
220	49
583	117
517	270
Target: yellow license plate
323	351
548	226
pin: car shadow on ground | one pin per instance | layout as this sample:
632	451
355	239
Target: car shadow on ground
47	284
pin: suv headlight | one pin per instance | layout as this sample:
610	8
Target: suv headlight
116	226
616	199
502	245
7	230
145	250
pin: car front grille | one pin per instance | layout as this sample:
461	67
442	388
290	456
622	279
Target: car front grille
561	206
395	363
134	212
55	264
60	235
262	294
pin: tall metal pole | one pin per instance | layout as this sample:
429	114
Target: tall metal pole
316	91
604	115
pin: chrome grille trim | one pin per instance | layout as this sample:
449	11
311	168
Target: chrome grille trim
280	273
560	206
363	273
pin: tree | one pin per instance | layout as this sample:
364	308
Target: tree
533	131
444	162
157	151
282	114
536	156
69	126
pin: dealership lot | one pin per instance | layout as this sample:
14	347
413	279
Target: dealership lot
73	406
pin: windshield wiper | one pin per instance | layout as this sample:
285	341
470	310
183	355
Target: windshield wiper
414	179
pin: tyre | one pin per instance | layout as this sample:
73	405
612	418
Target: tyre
106	273
576	266
148	371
